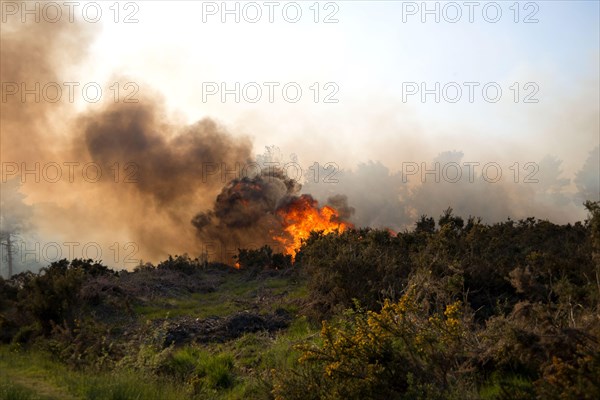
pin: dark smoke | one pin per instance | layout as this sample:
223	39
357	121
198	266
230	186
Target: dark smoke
155	170
340	203
30	53
170	162
153	167
167	185
247	212
244	213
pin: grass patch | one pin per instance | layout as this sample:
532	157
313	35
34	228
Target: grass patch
507	386
33	375
13	391
199	305
234	295
237	369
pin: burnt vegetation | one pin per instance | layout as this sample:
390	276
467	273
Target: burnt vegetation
454	308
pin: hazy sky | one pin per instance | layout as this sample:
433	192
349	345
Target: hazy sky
370	53
384	86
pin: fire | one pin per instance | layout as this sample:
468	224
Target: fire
302	216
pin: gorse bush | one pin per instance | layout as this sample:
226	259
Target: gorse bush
368	265
262	258
454	310
50	297
503	311
498	265
419	346
427	345
182	263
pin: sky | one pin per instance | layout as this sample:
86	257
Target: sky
372	50
385	87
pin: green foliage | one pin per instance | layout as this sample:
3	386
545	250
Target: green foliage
503	263
529	325
369	265
463	311
214	372
448	219
572	379
8	293
418	347
507	386
262	258
9	325
35	375
203	371
11	391
425	224
182	263
51	296
88	343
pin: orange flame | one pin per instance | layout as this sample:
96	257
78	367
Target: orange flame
301	217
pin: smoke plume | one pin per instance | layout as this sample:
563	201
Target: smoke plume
150	172
158	183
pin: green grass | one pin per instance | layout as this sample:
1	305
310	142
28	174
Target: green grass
199	305
238	369
234	295
33	375
15	391
501	387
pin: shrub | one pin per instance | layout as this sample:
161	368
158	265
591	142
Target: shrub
181	263
411	346
260	259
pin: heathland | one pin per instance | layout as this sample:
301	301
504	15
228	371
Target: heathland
452	309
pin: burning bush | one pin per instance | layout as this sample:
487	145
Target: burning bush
268	207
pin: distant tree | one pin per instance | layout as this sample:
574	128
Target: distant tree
14	219
588	184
